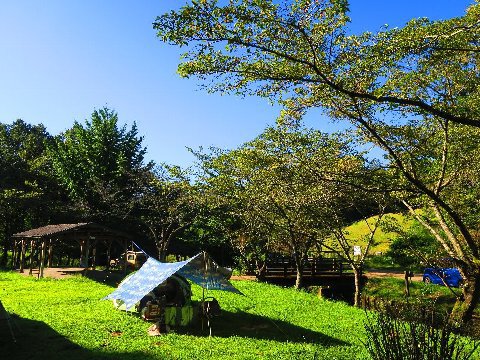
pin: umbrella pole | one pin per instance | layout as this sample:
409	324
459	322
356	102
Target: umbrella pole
203	305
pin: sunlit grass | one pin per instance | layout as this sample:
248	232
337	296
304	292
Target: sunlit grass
382	239
66	319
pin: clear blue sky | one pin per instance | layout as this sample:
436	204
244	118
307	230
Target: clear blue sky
60	59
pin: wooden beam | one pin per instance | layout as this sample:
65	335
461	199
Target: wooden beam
31	257
94	254
87	252
14	255
82	250
22	257
42	258
50	253
109	254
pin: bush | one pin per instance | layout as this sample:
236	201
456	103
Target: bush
393	339
405	249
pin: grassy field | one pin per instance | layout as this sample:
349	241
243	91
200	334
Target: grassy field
429	294
65	319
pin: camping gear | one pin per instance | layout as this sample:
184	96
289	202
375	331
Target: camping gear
143	289
133	261
211	307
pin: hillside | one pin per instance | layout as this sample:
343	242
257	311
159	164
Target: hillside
382	239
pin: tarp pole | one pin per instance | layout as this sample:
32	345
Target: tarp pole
203	305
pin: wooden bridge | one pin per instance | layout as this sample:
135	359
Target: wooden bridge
313	267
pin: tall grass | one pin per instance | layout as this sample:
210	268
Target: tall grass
393	339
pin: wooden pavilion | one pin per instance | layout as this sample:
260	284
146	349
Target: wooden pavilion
67	243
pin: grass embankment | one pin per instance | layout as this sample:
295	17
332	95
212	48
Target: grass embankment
382	239
65	319
394	289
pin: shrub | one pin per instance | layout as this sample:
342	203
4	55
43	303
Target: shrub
393	339
412	248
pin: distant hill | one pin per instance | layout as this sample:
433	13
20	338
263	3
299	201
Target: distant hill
357	232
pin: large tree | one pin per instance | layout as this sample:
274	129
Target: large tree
284	189
169	205
29	195
299	51
102	167
300	54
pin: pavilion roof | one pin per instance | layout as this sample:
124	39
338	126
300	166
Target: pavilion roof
91	229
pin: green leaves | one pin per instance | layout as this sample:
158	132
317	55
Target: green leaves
100	164
288	188
278	51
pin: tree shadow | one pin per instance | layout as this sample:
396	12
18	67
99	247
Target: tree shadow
259	327
107	277
37	341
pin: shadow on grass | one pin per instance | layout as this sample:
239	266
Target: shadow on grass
111	278
260	327
37	341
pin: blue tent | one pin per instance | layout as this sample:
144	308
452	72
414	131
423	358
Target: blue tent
200	269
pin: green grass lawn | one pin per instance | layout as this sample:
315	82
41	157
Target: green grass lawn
393	289
65	319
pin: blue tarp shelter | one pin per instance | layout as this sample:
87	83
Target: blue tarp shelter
200	269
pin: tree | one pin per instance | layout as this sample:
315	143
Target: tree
342	244
101	166
299	54
282	205
168	207
437	161
29	195
415	247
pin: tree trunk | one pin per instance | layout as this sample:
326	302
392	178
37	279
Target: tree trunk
463	310
299	269
261	269
6	247
162	254
357	272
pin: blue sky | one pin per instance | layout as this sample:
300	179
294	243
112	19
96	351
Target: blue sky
60	59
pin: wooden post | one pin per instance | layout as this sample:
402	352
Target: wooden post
22	257
82	250
87	252
14	255
50	253
94	254
42	258
109	255
31	257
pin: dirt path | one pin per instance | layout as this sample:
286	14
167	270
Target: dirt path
369	274
391	273
97	275
59	273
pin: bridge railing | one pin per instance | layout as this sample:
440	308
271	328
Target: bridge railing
284	266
